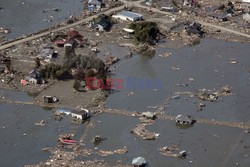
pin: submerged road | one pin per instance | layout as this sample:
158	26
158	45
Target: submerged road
42	34
87	19
161	116
138	4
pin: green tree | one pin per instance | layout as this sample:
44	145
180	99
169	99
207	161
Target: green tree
145	32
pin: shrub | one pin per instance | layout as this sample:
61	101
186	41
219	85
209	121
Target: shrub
145	32
55	71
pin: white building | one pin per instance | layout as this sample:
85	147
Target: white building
130	16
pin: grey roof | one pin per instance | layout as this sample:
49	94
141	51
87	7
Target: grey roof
46	52
184	118
139	161
218	16
130	14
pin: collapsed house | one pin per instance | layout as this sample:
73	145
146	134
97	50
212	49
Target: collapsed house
5	63
245	5
220	12
48	53
34	77
101	23
194	28
128	16
95	4
73	38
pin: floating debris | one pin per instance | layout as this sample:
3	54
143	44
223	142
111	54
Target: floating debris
105	153
173	151
165	55
141	131
201	106
41	123
175	97
207	96
97	140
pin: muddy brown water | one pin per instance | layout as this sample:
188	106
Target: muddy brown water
30	17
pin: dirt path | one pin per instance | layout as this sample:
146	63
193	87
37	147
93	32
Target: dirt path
136	4
42	34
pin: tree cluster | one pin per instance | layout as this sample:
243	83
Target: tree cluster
145	32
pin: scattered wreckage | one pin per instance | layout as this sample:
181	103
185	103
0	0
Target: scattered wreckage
97	140
141	131
34	77
5	30
72	38
208	95
173	151
67	139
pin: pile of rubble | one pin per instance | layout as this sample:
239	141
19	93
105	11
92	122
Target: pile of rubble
141	131
189	33
104	153
110	60
173	151
208	95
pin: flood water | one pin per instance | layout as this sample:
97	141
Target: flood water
21	139
30	17
208	64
